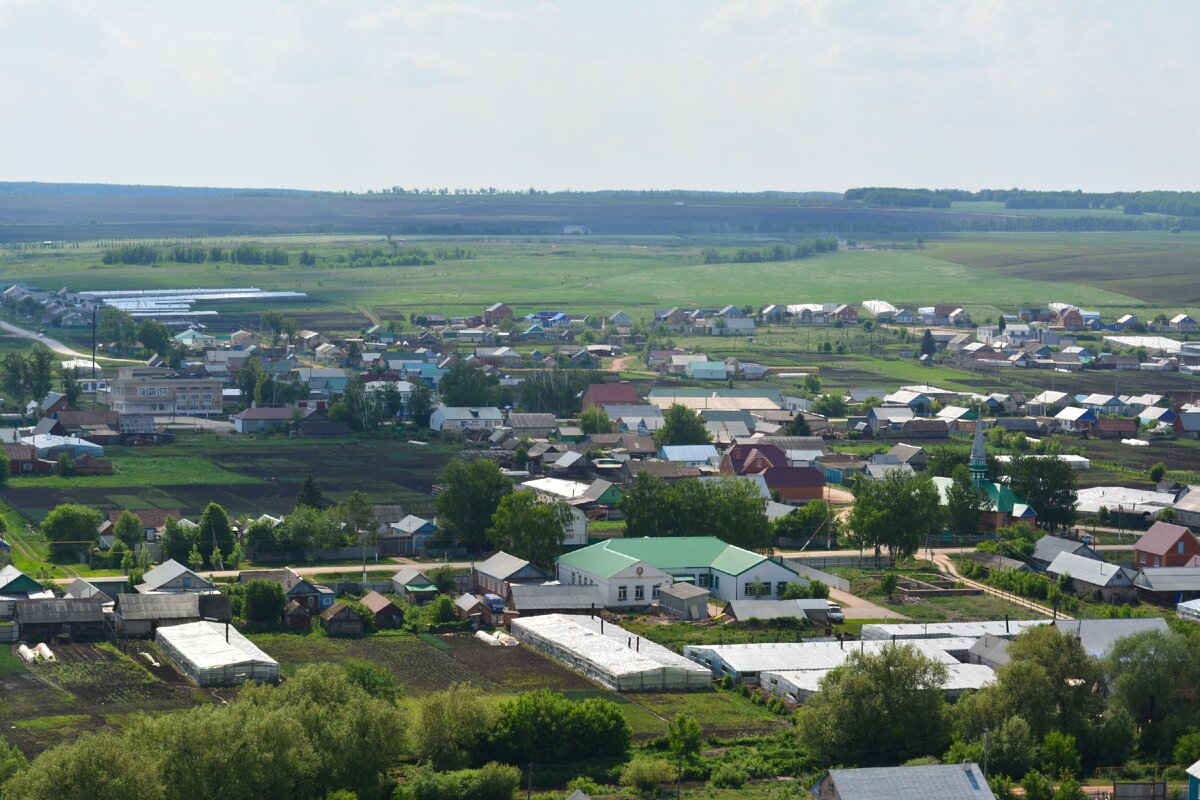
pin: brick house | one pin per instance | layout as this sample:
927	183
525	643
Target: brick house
1166	545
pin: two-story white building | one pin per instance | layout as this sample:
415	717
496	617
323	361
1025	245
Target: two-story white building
629	572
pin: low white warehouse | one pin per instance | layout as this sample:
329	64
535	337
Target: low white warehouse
744	662
1006	629
798	686
214	654
609	654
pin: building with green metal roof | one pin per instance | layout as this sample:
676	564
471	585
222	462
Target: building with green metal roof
629	572
1007	506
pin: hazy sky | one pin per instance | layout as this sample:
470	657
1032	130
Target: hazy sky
729	94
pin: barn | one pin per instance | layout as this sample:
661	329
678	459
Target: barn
44	620
387	614
143	614
215	654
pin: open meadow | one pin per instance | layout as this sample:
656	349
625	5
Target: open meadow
1146	273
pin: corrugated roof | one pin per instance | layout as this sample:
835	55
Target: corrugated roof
59	610
1169	579
944	782
1089	570
165	573
503	566
775	609
1161	537
158	606
556	598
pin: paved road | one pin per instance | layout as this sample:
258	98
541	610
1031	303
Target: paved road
56	345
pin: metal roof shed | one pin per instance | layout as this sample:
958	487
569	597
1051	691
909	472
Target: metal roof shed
213	654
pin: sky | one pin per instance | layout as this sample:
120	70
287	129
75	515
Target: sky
747	95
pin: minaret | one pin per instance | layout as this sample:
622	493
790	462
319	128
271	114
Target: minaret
978	456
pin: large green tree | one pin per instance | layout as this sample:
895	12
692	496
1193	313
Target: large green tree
965	502
528	527
471	493
878	708
1151	675
681	425
729	508
467	385
898	512
177	541
595	420
214	530
1048	485
128	528
71	527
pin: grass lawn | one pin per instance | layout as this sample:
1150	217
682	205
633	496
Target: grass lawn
865	583
10	662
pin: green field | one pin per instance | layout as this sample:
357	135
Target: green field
1109	271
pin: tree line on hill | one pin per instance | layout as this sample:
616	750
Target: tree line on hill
187	254
776	252
1172	203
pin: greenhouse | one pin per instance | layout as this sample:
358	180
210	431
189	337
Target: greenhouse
215	654
744	662
798	686
609	654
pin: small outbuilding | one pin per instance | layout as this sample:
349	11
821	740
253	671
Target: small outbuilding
216	654
684	600
143	614
341	620
414	586
387	614
46	619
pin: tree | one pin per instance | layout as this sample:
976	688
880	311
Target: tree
928	346
648	507
364	409
878	707
471	493
829	405
15	379
391	400
177	541
39	375
452	724
71	527
5	472
544	724
420	404
214	529
815	519
155	337
1158	471
12	761
1059	754
812	384
117	326
798	426
248	377
310	494
128	528
264	602
681	425
236	556
358	514
71	388
195	560
684	736
595	420
898	512
467	385
1013	749
1149	674
965	502
1048	485
1037	786
529	528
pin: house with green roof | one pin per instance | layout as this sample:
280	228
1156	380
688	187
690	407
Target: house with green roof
629	572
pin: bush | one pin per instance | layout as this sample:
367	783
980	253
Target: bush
546	726
728	776
647	774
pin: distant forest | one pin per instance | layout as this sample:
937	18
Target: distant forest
1178	204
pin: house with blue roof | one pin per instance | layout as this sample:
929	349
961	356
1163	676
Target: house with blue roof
690	455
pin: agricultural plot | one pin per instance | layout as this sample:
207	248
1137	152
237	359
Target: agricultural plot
85	690
1160	269
244	475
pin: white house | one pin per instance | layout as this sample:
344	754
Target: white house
629	572
455	419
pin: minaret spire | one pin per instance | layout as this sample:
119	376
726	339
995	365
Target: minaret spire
978	455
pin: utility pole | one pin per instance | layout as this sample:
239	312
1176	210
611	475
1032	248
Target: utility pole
985	753
529	787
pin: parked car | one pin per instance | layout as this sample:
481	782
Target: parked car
836	615
495	603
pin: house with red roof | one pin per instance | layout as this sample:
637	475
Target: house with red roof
1166	545
609	394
